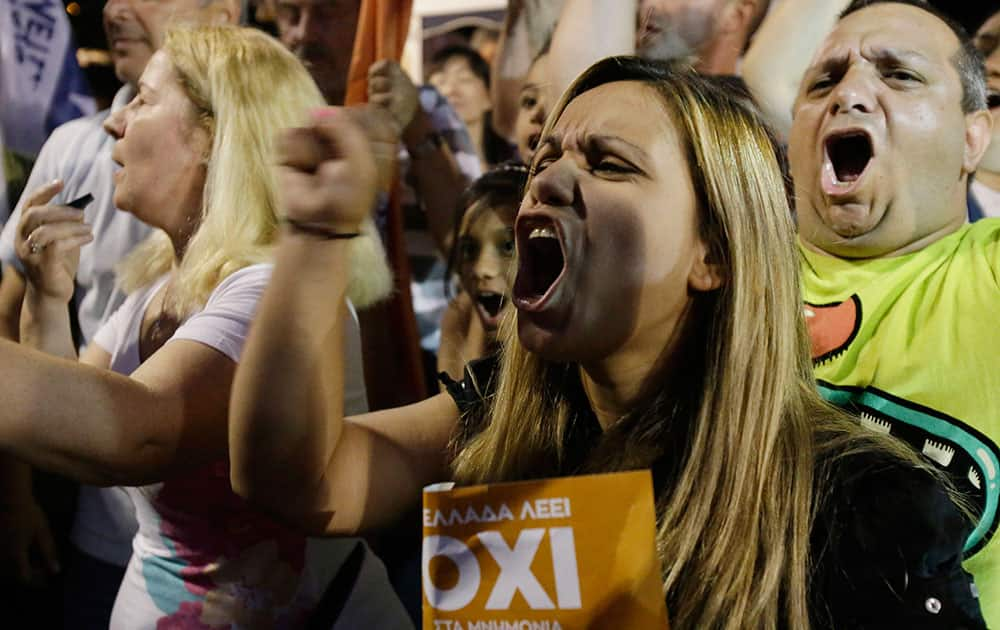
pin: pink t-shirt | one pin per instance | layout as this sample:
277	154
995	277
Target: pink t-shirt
202	556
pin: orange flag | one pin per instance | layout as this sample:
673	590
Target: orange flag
381	34
394	372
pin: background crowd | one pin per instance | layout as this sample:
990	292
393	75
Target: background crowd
525	263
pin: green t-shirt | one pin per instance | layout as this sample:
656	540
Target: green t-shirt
912	345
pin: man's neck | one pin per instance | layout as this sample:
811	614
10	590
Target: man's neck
916	245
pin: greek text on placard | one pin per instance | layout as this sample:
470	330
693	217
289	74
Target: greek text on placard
515	570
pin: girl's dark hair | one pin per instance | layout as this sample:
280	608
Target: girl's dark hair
496	148
499	189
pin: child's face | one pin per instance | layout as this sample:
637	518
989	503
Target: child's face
532	108
486	250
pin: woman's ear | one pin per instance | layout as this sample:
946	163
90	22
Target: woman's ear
707	274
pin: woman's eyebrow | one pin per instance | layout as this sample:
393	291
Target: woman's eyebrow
605	141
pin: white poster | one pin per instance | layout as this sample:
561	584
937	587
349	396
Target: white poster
41	84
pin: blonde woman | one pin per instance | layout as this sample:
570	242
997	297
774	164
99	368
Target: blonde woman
657	325
146	403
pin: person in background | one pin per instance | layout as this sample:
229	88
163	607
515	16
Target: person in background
437	161
984	191
463	77
79	155
42	86
900	290
145	404
658	326
710	34
532	107
482	257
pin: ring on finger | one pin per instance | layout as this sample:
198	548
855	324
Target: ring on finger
33	246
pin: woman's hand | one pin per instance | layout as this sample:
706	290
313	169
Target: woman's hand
48	242
327	171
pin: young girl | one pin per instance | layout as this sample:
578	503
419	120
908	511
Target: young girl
482	254
658	326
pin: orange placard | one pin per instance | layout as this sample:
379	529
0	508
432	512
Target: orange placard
569	553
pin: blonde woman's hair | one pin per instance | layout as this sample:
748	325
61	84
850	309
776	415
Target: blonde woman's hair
735	434
245	87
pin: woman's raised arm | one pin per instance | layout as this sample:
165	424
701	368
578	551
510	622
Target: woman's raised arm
291	449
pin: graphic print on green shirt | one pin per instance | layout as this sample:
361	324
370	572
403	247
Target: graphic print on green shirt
970	458
911	344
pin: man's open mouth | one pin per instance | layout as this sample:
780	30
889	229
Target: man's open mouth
541	262
848	155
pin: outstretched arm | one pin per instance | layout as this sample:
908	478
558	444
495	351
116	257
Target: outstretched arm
782	50
104	428
588	31
291	449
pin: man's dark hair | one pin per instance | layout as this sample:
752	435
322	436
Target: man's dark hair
968	61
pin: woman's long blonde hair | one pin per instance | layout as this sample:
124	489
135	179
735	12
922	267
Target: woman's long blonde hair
733	435
245	87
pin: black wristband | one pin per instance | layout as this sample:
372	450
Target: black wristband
318	229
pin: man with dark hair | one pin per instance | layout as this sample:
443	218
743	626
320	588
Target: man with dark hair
901	293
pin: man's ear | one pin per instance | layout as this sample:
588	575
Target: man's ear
706	273
978	133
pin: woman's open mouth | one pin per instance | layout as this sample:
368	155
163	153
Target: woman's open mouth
542	262
847	155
